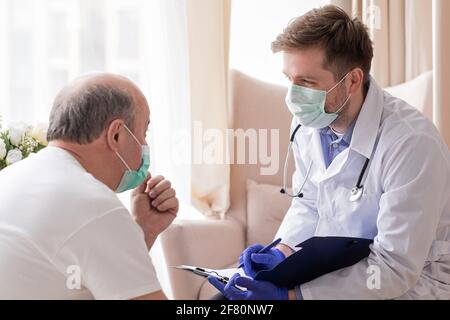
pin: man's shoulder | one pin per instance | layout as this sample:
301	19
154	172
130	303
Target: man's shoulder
58	195
406	135
69	182
402	122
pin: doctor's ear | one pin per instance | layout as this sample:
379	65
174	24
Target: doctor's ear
356	77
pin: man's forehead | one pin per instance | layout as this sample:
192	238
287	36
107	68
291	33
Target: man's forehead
307	64
311	57
142	113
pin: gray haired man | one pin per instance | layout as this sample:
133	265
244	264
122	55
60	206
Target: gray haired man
64	234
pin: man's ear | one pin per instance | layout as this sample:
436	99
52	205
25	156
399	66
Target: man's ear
356	77
113	133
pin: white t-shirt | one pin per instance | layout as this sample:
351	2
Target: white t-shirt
60	228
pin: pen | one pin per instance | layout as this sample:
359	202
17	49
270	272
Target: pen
265	249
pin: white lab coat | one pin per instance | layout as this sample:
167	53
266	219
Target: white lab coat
405	206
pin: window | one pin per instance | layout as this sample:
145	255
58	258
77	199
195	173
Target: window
48	42
254	25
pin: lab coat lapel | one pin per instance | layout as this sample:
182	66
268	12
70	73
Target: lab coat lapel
367	125
319	172
337	164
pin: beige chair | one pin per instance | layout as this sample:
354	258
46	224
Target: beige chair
257	207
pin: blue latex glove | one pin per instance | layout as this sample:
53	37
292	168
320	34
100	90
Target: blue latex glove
254	262
256	290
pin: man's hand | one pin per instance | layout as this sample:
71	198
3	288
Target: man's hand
253	262
154	206
256	290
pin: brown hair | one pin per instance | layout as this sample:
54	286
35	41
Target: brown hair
346	42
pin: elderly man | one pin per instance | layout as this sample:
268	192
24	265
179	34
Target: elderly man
64	234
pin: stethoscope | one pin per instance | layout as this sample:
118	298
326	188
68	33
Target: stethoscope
355	194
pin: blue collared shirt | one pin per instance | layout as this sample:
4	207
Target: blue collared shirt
332	145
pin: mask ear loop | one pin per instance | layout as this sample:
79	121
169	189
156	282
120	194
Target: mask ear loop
345	77
349	96
343	105
134	137
137	141
123	161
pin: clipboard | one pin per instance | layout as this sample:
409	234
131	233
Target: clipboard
317	256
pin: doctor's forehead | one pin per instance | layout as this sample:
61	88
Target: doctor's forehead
305	63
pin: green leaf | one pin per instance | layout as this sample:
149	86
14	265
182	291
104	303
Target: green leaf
2	164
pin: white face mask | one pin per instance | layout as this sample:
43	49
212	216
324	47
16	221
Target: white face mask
309	105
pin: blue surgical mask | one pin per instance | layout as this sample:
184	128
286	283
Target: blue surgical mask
131	178
309	105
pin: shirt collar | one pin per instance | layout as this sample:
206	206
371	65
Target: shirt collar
347	137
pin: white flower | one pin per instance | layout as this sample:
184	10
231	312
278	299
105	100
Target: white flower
2	149
17	132
39	132
13	156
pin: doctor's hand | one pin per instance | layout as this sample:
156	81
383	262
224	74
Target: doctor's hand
154	206
256	290
253	262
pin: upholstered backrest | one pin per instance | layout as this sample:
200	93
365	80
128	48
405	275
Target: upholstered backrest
257	105
418	92
266	208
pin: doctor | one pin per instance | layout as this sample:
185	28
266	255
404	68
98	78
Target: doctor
368	165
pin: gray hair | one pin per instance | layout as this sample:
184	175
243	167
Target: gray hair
83	115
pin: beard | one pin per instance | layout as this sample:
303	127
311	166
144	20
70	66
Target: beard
340	103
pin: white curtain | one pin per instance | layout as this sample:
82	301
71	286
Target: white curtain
208	33
441	54
401	33
410	39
